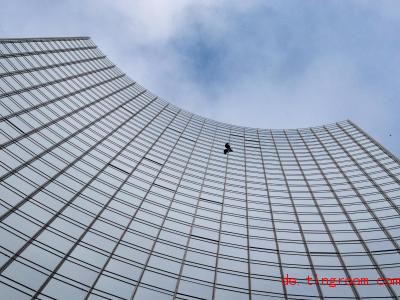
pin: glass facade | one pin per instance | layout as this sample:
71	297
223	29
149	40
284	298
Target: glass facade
109	192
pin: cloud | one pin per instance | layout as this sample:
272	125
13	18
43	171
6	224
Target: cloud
154	21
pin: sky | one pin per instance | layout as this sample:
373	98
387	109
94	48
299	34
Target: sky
265	64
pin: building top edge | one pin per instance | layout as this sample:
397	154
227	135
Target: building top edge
38	39
223	124
220	123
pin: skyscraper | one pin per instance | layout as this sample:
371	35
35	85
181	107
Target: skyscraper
109	192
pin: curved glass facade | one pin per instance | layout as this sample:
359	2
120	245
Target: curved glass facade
109	192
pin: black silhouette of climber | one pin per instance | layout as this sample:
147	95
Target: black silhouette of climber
228	148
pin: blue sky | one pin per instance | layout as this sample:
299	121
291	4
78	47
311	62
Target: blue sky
267	64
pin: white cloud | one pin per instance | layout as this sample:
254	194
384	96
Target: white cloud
158	21
155	21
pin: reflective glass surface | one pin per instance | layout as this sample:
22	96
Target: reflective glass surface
109	192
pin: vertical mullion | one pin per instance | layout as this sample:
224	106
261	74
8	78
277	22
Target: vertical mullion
139	206
54	146
333	243
220	222
297	217
6	214
88	227
49	83
61	50
9	212
194	216
365	203
372	181
56	65
360	238
26	134
170	204
272	219
64	96
383	149
247	216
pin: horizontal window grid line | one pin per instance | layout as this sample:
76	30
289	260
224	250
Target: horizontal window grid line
59	212
54	146
223	270
34	87
239	207
252	236
70	114
61	50
69	63
196	264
